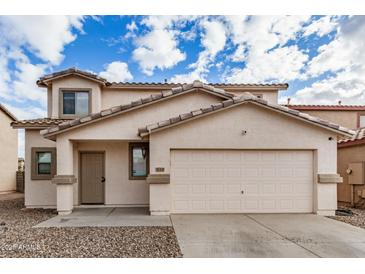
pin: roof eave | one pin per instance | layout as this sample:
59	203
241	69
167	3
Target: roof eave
337	131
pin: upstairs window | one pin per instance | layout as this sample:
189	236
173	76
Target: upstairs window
362	120
75	103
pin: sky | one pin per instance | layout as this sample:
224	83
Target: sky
321	57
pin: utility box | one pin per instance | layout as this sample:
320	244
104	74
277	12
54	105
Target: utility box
355	173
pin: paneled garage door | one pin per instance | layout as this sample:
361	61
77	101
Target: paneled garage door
217	181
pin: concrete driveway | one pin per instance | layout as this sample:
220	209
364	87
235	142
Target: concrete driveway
267	235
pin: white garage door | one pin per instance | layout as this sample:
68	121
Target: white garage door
214	181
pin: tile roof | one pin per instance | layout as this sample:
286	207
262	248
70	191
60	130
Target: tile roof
135	104
327	107
37	123
245	98
357	138
7	112
43	81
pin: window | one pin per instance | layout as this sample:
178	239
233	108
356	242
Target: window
75	103
138	161
362	120
43	163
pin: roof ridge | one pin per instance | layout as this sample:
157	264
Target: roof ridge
49	76
245	97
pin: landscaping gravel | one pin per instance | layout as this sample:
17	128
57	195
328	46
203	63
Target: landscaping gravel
357	219
18	238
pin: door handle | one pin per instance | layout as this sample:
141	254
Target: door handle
103	179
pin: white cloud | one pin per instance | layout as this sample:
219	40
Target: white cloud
116	72
280	64
158	49
346	50
213	40
46	36
322	26
261	42
344	58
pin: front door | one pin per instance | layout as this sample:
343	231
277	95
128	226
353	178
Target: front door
92	177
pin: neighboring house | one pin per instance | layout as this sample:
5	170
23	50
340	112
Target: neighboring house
177	148
349	116
8	151
351	151
351	166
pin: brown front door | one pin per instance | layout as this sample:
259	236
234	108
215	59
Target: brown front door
92	178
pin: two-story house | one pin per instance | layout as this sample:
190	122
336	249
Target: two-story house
177	148
8	151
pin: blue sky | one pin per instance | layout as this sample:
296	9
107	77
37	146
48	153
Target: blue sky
321	57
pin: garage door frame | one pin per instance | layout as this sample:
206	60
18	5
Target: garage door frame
312	179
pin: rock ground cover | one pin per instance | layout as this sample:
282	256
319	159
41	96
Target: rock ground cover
18	238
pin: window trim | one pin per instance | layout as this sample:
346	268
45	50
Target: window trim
34	164
130	155
360	113
60	99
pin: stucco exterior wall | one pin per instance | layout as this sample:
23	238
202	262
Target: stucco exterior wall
346	155
38	193
114	97
265	130
119	190
74	82
346	118
8	153
125	126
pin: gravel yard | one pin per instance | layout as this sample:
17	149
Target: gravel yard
19	239
357	219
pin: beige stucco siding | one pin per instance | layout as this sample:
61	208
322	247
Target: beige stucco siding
8	153
346	118
38	193
346	156
113	97
125	126
265	130
119	190
74	82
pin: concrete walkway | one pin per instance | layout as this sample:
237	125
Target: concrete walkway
107	216
267	235
4	196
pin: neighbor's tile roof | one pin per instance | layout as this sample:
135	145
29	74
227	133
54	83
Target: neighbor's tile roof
246	97
327	107
37	123
357	138
143	101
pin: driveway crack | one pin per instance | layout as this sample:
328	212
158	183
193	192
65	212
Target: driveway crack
281	235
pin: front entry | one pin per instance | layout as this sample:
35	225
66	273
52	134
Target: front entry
92	177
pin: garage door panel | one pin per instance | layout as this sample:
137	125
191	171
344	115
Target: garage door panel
212	181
